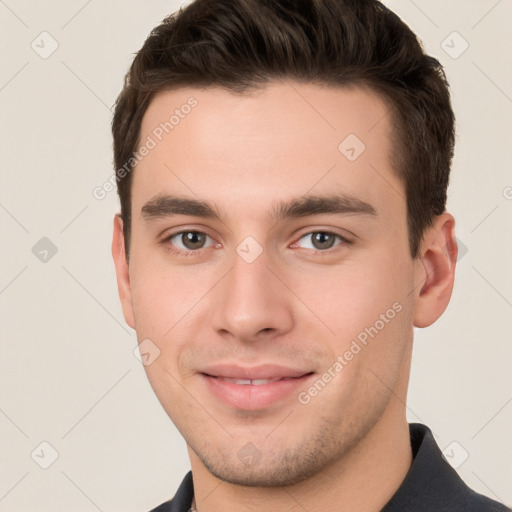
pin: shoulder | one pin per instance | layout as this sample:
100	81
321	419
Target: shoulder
479	503
433	485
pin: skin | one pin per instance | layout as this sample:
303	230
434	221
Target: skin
295	305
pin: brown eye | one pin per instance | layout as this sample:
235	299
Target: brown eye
190	240
193	239
320	240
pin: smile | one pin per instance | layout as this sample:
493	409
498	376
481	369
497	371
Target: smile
256	388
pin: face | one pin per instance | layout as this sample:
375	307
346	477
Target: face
270	271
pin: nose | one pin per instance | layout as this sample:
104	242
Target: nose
251	302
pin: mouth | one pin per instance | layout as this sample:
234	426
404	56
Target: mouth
247	382
254	388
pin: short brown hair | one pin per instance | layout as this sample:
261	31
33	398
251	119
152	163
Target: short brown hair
244	44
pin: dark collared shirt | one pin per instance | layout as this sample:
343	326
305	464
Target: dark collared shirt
431	485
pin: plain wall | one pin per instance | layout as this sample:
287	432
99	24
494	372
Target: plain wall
68	375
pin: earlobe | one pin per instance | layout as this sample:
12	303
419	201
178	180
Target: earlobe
435	271
122	271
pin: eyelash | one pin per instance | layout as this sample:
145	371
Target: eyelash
166	241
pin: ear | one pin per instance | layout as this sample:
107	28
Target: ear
122	271
435	271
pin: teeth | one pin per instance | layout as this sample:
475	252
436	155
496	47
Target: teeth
247	382
244	382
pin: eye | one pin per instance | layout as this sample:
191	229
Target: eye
190	240
320	240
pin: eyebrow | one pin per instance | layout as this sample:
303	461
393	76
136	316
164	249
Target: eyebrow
163	205
319	204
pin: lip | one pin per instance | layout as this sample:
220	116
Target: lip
234	386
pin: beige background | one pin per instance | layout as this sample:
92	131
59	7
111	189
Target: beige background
68	375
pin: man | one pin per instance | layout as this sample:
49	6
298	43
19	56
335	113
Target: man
282	169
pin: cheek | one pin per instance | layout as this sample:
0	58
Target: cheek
368	309
173	397
355	295
163	295
166	303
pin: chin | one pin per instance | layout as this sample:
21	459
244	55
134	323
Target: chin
279	474
251	467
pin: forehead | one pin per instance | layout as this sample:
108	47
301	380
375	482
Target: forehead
286	139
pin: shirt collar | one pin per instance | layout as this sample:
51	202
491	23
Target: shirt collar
431	484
